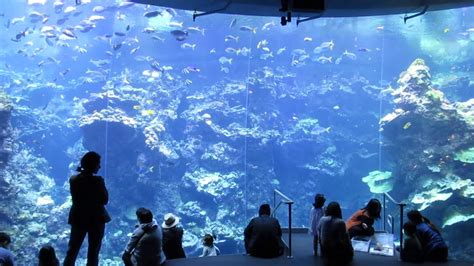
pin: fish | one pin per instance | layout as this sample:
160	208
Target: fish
69	33
224	60
128	28
362	49
175	24
98	9
225	69
20	35
267	26
80	49
14	21
231	38
281	50
69	9
188	46
338	60
148	112
446	30
100	62
262	43
148	30
134	50
266	56
190	69
120	34
349	55
61	21
308	39
179	34
116	46
152	14
230	50
158	38
249	29
244	51
196	30
95	18
266	49
324	59
407	125
298	52
232	23
212	51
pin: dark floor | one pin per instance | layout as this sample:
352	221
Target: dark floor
302	255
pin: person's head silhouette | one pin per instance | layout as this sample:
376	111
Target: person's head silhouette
90	163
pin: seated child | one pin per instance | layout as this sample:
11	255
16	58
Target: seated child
412	249
209	249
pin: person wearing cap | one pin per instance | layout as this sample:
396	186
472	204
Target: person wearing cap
316	213
145	244
172	237
262	236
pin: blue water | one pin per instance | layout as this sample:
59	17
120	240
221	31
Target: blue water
189	132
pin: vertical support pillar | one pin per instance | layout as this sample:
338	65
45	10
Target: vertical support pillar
401	228
384	214
289	230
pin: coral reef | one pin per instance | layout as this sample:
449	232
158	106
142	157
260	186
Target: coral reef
429	139
379	182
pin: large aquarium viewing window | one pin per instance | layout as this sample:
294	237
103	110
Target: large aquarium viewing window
205	118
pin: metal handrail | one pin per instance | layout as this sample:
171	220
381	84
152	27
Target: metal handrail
401	205
289	202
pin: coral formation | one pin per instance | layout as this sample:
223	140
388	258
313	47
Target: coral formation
379	182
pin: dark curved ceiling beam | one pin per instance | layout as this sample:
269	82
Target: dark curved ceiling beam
332	8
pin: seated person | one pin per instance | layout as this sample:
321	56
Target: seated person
6	256
262	236
333	236
434	247
362	221
172	237
47	256
209	248
144	246
412	250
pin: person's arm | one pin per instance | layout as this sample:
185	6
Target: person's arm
311	217
279	233
74	190
205	252
132	243
104	194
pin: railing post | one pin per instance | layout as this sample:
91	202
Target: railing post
401	228
274	202
289	231
384	214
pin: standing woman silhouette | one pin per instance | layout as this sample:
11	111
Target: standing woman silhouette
88	215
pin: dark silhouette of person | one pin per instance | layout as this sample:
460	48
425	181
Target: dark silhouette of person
172	237
144	246
6	256
88	215
47	256
434	247
412	249
362	221
336	247
262	236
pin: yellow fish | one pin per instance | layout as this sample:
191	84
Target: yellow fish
137	107
446	30
149	101
407	125
148	112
